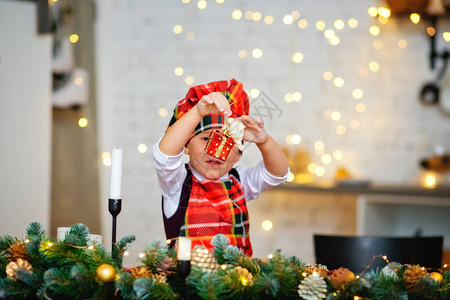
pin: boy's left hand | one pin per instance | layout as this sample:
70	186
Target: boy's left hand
254	130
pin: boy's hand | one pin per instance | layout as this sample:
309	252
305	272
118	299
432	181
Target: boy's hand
213	103
254	130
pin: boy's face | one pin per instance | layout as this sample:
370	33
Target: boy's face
207	165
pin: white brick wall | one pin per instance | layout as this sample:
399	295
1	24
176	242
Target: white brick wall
137	52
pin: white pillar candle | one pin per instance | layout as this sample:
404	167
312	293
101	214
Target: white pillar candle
184	248
116	174
61	233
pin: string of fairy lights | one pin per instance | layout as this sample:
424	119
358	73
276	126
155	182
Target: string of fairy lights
331	34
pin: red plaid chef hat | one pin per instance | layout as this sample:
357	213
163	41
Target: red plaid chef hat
231	89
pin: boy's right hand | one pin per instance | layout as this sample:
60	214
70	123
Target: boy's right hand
213	103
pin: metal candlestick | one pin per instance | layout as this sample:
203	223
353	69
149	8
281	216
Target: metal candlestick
184	268
114	207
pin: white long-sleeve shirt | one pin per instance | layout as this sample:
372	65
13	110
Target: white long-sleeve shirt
172	173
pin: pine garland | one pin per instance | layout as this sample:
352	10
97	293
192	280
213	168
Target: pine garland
68	270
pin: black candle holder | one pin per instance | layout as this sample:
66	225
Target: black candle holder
184	268
114	207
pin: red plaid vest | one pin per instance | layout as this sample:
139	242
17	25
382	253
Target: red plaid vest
212	207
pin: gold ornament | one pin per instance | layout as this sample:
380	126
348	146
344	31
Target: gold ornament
158	278
203	258
313	287
244	276
141	271
340	277
19	264
414	274
437	277
16	251
106	273
321	270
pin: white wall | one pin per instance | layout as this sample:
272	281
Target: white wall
137	53
25	119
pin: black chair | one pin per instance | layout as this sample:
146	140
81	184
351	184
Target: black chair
356	252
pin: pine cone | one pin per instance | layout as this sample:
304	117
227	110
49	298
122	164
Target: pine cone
20	264
141	271
312	287
340	277
16	251
203	258
166	267
244	275
414	274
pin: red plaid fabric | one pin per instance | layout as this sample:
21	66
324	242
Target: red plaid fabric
232	89
217	207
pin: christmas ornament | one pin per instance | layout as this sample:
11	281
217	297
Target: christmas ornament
204	259
106	273
414	274
16	251
166	267
319	269
19	264
140	271
313	287
219	144
244	276
340	277
437	277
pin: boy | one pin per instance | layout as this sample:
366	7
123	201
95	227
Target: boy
208	196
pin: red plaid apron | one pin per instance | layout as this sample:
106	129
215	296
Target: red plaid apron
217	207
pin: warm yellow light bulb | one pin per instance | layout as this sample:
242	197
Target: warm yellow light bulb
142	148
326	159
288	19
162	112
338	155
374	30
74	38
242	54
338	81
415	18
341	130
268	20
302	23
202	4
384	12
446	36
237	14
297	57
254	93
257	53
256	16
339	24
335	116
178	71
177	29
327	75
189	80
267	225
320	25
82	122
296	139
352	23
357	93
290	177
319	145
373	11
374	66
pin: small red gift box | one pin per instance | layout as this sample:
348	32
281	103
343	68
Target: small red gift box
219	144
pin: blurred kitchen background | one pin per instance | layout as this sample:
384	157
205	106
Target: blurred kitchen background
357	93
